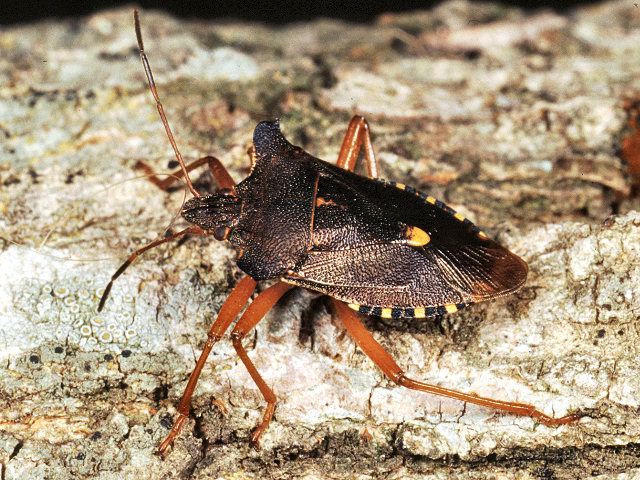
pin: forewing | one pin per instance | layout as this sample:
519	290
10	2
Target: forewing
401	276
458	265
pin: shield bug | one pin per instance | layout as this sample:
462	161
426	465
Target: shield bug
376	247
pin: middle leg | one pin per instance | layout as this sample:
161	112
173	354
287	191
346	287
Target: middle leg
250	318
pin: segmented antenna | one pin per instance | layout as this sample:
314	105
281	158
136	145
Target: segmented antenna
154	91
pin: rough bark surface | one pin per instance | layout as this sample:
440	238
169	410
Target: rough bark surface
515	119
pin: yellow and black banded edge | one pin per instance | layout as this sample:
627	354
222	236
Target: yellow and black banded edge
419	312
408	312
441	205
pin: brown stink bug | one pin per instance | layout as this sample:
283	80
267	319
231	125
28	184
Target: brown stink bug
373	246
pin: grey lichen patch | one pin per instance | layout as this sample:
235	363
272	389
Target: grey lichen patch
524	132
59	307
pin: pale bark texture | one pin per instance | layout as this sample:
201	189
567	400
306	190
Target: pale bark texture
514	119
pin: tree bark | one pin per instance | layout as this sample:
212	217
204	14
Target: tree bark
514	119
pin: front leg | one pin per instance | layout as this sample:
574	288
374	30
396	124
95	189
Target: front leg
222	177
230	309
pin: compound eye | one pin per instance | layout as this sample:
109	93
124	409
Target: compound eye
221	233
226	191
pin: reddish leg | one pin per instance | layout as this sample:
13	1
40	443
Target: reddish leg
358	134
154	92
232	306
383	360
220	173
254	313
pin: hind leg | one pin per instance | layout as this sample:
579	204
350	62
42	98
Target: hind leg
358	135
383	360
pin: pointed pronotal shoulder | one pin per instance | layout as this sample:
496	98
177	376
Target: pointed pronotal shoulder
269	140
